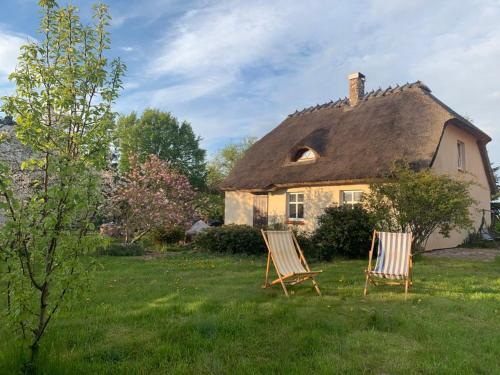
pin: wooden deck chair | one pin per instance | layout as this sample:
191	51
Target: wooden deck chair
394	261
289	262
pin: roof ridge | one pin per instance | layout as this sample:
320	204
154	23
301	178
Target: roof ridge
369	95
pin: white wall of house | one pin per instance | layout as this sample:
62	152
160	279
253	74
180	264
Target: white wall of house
446	162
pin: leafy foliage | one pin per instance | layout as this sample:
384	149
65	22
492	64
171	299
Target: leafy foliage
116	248
159	133
225	160
169	236
495	170
342	231
210	206
65	87
476	240
154	197
306	243
421	202
231	239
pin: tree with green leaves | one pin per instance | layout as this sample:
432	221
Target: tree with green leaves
421	202
65	87
210	204
496	174
225	160
159	133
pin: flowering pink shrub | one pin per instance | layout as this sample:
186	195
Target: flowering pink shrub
154	196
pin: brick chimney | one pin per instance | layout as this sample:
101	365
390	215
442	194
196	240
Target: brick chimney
356	88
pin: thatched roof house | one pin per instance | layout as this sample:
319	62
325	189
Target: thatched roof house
327	154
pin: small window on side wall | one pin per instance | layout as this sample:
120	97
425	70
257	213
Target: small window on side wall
461	156
351	197
295	206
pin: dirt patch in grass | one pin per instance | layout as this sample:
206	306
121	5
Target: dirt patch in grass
478	254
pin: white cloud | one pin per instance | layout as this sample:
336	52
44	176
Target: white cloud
218	39
216	44
9	50
148	11
131	85
235	68
127	49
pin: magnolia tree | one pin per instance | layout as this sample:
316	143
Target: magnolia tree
421	202
65	87
154	196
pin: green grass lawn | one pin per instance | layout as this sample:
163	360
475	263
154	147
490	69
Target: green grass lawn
206	314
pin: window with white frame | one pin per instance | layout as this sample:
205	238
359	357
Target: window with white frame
351	197
295	206
305	155
461	156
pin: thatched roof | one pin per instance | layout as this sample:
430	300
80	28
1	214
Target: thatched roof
354	143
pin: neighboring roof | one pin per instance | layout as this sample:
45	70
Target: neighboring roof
197	227
354	143
7	120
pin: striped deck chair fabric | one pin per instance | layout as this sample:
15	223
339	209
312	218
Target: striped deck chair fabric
285	256
394	261
392	255
288	259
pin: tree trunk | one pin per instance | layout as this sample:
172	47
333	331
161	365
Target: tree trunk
9	292
30	366
138	237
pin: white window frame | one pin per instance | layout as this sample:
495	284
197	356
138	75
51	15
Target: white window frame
296	203
352	202
307	155
461	156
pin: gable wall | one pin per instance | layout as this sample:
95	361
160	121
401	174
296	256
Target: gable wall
446	163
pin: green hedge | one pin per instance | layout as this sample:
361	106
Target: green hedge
168	236
342	231
231	239
121	249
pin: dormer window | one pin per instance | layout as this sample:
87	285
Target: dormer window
305	154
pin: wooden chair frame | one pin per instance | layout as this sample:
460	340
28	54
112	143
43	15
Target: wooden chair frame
374	280
293	278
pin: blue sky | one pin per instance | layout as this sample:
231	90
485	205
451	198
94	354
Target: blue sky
237	68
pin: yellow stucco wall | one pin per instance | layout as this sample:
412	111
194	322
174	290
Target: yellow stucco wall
316	199
239	205
238	208
446	163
